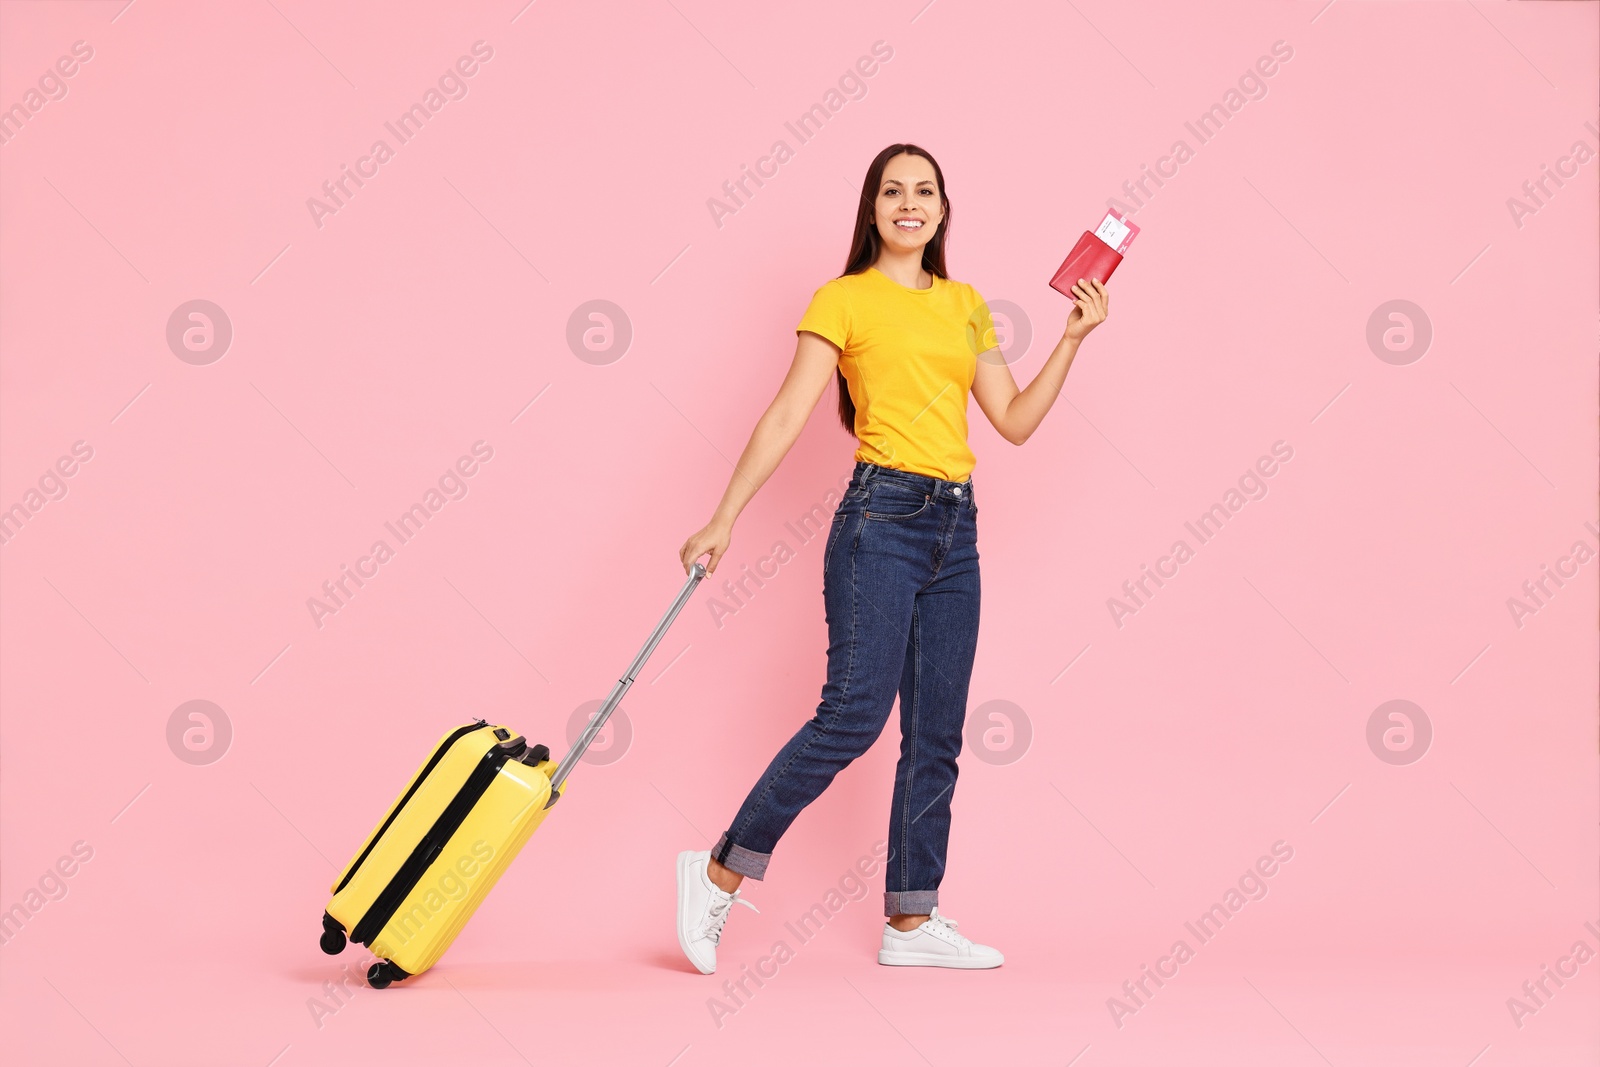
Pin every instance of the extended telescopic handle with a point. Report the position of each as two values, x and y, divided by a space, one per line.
599 718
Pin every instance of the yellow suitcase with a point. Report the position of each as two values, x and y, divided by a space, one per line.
452 833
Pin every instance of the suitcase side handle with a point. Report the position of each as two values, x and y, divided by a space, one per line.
599 718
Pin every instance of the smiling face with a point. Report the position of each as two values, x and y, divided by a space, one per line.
910 203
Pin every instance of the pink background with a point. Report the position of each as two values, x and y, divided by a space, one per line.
368 354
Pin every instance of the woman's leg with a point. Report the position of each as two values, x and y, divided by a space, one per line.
871 573
933 709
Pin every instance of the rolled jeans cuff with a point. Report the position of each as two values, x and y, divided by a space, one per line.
740 860
913 902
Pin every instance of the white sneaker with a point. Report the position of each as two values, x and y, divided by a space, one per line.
702 910
934 944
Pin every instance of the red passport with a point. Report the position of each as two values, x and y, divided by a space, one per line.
1096 255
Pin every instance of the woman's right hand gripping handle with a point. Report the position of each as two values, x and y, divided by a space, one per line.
712 538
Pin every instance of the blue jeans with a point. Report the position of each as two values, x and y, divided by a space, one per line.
900 585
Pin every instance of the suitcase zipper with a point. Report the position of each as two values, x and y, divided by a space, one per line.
398 808
428 849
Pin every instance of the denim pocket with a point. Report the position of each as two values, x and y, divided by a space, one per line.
890 500
834 530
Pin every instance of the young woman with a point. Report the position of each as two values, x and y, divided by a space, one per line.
900 570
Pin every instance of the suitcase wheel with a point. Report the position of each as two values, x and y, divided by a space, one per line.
380 974
332 935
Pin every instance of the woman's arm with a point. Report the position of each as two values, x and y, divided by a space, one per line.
815 358
1017 413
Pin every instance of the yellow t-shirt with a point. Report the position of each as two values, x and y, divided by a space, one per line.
909 357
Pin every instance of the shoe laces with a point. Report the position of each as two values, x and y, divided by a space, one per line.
946 928
721 907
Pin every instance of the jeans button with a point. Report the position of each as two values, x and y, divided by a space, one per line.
956 491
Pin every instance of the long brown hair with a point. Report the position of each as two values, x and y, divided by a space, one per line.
866 243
